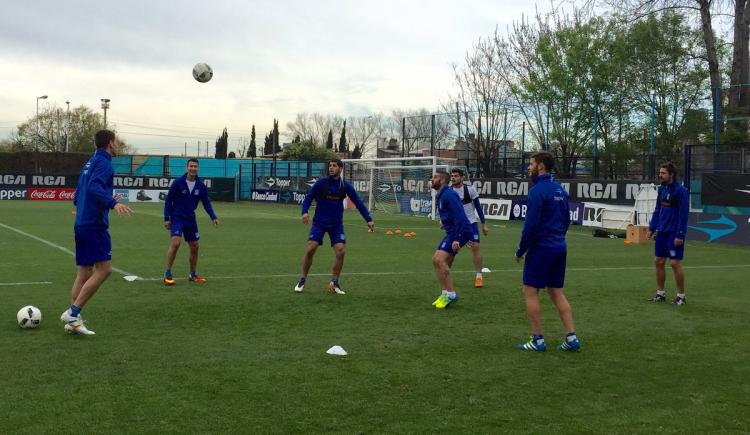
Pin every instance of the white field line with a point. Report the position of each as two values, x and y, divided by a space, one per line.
518 270
25 283
54 245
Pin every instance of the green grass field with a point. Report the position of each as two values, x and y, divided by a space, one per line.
245 354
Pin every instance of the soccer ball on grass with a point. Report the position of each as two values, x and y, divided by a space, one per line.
29 317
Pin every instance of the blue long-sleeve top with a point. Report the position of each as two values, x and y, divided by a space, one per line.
671 212
547 216
452 214
329 194
93 197
181 202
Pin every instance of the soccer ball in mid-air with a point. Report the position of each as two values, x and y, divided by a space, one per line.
202 72
29 317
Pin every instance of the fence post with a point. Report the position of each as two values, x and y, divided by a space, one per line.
505 142
595 149
717 118
523 147
432 135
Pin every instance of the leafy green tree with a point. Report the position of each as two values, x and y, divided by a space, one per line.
306 150
356 154
329 141
48 132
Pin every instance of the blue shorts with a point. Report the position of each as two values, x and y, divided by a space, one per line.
185 228
545 268
475 232
335 233
445 244
664 246
92 245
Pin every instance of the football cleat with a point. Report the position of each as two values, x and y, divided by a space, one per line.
300 286
657 298
679 301
196 278
169 280
570 346
74 325
444 300
334 288
533 345
479 282
437 300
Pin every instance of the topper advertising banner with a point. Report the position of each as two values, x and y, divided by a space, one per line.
719 228
12 192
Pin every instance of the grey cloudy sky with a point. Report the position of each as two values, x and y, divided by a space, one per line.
271 59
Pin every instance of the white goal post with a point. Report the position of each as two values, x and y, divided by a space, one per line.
397 185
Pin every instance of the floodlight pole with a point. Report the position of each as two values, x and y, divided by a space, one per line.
105 106
67 128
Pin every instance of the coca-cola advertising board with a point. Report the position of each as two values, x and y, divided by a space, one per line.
51 194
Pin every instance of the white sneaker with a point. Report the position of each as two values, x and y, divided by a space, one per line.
334 288
75 325
299 287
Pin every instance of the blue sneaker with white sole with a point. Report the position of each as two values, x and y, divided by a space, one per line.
535 344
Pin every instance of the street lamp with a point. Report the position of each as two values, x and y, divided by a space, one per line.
67 127
105 106
43 97
652 145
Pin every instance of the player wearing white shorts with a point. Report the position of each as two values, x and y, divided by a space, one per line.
470 200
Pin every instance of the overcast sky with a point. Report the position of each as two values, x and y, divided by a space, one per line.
271 59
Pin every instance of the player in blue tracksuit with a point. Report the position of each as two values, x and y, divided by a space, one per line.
329 193
179 218
473 209
543 244
669 222
93 201
458 232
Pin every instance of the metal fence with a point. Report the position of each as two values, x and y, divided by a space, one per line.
722 158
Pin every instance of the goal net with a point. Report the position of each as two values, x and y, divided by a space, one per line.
397 185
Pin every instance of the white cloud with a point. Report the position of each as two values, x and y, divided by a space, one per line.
272 59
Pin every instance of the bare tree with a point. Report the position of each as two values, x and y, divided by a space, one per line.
484 93
363 132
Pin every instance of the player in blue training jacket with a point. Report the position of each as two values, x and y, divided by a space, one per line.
329 193
669 222
458 232
470 200
543 243
179 218
93 200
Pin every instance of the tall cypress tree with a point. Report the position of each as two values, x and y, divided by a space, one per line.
342 140
268 144
222 144
251 151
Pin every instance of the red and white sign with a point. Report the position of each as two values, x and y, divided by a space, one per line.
51 194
